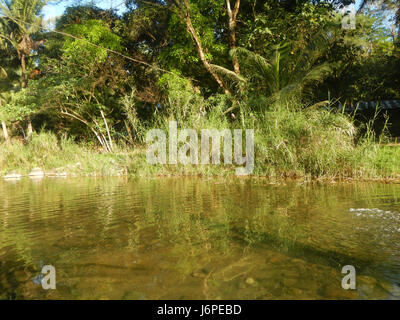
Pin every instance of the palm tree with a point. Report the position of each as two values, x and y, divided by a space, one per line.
9 81
283 74
20 20
3 123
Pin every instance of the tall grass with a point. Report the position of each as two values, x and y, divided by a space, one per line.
309 142
290 141
48 152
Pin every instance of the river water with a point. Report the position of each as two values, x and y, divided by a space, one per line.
192 238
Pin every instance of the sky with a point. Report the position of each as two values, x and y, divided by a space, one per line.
55 10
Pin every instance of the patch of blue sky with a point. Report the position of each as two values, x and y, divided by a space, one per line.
57 8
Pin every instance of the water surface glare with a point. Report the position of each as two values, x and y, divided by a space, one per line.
192 238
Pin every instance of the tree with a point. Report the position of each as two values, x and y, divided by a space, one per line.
284 74
183 9
9 82
366 62
384 6
233 15
19 23
86 82
82 13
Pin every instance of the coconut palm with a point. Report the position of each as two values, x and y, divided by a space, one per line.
283 74
10 73
20 20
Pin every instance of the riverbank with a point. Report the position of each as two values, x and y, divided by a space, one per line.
45 155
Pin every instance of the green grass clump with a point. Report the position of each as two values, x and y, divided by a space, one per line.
310 142
46 151
289 142
387 161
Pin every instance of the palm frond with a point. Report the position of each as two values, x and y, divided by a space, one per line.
317 74
231 75
285 74
3 73
251 59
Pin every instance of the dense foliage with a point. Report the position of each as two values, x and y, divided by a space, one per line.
105 78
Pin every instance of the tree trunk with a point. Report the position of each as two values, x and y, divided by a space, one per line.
5 132
200 49
24 83
108 131
30 129
4 127
23 71
232 30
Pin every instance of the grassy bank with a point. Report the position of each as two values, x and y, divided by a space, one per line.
49 153
288 143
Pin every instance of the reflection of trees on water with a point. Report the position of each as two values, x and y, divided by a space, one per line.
208 230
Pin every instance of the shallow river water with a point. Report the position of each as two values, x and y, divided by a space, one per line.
192 238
